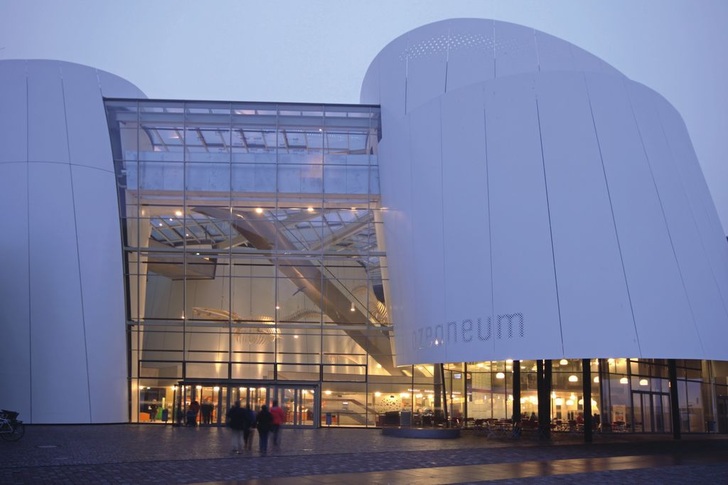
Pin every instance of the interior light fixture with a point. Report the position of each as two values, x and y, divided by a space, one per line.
569 402
573 378
500 375
623 380
310 209
644 382
564 362
596 380
178 213
559 401
258 210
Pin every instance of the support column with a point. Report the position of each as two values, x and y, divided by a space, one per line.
586 387
444 395
516 391
674 404
437 384
543 371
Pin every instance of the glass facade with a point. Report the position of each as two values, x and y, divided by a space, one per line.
253 250
256 270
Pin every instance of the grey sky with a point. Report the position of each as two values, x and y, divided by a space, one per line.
319 50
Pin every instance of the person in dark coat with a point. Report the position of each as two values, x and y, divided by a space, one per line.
264 423
236 421
248 424
192 413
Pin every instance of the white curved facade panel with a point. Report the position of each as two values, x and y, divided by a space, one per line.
56 315
13 130
466 254
593 231
15 310
659 303
47 138
63 311
586 256
523 280
107 380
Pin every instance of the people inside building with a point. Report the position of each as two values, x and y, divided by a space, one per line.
192 412
207 408
153 410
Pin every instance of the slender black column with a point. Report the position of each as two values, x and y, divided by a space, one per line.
674 404
437 384
543 371
548 380
444 395
516 391
586 386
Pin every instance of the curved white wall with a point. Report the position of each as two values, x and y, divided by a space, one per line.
61 295
539 204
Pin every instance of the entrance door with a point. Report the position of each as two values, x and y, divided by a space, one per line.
651 412
300 402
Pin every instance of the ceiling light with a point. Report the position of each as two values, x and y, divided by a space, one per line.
644 382
258 210
623 380
564 362
573 378
178 213
500 375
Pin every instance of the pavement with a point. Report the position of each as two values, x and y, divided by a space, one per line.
163 454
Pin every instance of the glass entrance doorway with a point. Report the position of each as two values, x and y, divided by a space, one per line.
651 412
299 401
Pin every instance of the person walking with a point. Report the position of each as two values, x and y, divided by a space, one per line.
279 418
264 423
236 421
248 424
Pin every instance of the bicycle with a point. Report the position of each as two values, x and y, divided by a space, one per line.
11 429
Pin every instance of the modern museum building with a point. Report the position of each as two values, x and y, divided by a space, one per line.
505 227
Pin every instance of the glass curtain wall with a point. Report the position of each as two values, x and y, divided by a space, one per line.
253 251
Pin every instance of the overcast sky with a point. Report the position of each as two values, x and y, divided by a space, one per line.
319 50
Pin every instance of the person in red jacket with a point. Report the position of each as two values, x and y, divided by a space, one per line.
279 418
